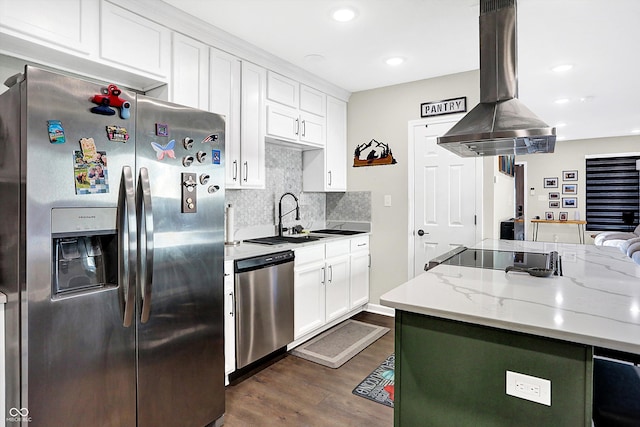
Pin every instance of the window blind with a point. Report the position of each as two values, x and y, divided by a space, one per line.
612 193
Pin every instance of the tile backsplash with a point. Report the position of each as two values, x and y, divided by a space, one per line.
256 211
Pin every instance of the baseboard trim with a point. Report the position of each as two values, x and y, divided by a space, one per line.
380 309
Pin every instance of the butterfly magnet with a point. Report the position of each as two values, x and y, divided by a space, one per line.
162 150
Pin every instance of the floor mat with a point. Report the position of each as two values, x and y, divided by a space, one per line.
336 346
379 385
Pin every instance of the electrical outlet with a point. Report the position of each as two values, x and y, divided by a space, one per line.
529 388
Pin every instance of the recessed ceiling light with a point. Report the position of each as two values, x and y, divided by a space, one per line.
562 100
345 14
560 125
586 99
396 60
635 131
562 68
314 58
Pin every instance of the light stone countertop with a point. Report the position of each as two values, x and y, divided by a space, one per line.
596 302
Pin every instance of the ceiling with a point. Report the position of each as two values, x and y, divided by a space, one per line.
437 37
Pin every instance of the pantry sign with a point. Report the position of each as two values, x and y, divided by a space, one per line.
447 106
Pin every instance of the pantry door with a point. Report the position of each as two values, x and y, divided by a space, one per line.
446 194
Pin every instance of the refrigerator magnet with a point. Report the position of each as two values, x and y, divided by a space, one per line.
162 129
211 138
56 132
117 133
162 150
215 157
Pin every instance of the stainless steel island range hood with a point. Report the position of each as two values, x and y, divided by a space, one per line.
500 124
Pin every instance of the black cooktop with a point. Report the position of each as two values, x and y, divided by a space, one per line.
499 260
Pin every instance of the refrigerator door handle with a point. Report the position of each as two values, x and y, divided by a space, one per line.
127 251
145 226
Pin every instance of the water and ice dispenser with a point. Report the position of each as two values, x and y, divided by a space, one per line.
84 245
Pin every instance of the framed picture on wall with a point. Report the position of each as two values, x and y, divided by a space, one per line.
554 196
551 182
506 164
569 188
548 216
569 202
554 204
563 216
569 175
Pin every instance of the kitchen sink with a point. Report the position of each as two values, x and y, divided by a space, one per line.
279 240
337 231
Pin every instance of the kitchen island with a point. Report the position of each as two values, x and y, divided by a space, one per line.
460 329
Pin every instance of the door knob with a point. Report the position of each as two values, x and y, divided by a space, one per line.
421 232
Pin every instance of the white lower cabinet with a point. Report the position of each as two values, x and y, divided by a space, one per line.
360 267
330 280
229 319
336 279
309 301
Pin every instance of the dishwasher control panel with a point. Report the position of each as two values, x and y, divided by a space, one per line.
263 261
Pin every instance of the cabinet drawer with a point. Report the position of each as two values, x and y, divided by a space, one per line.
360 244
341 247
309 254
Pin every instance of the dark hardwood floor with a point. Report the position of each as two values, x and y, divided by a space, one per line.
297 392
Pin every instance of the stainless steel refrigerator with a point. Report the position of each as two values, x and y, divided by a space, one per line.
111 256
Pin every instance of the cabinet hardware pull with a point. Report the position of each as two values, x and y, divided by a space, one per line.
235 170
246 171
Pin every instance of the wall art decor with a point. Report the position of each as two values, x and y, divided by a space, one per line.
569 175
554 204
506 164
551 182
554 196
569 202
564 216
373 153
570 189
548 216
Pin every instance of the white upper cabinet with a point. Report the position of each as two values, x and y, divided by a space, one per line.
64 25
326 170
252 126
131 41
295 112
224 98
189 72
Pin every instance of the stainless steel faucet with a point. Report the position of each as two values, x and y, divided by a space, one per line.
280 215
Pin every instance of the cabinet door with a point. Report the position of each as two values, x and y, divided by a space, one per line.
190 72
336 145
282 122
359 292
337 287
69 25
309 298
133 42
283 90
252 144
312 101
312 129
224 98
229 320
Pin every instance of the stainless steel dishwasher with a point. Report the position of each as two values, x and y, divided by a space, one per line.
264 305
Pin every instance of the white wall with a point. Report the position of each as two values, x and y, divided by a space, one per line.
383 114
568 155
